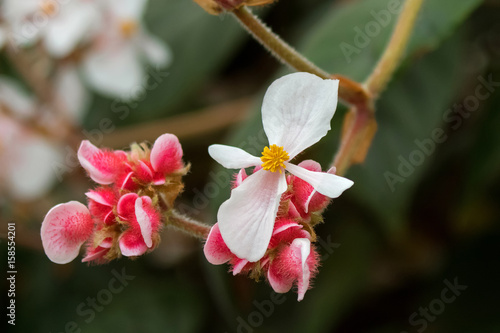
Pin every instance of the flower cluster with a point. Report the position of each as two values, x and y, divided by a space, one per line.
105 39
291 258
124 213
266 226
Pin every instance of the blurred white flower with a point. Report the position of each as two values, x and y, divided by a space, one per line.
60 25
115 62
26 159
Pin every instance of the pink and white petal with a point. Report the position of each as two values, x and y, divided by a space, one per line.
215 250
126 206
64 230
131 243
280 284
301 248
247 218
240 177
166 154
147 217
232 157
297 111
314 195
238 266
103 196
287 224
102 165
95 254
325 183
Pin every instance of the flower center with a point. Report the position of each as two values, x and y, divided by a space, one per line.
273 158
48 7
128 28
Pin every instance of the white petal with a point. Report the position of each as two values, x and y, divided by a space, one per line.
68 28
297 111
232 157
129 9
304 246
70 89
33 170
325 183
143 220
13 96
247 218
155 50
116 71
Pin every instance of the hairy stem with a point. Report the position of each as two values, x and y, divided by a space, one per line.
378 79
272 42
188 225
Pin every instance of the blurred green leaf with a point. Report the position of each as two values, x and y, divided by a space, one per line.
366 27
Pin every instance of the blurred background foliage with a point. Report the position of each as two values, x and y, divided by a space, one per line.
393 249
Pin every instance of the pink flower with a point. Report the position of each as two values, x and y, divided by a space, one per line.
296 113
123 216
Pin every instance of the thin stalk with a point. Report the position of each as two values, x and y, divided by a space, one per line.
394 51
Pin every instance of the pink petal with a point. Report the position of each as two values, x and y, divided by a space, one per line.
246 219
240 264
126 206
102 166
215 250
132 243
95 254
64 230
103 196
144 172
240 177
280 284
166 154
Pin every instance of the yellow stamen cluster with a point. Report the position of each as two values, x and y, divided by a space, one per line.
273 158
128 28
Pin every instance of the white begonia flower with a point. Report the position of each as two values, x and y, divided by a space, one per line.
115 63
296 113
60 25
